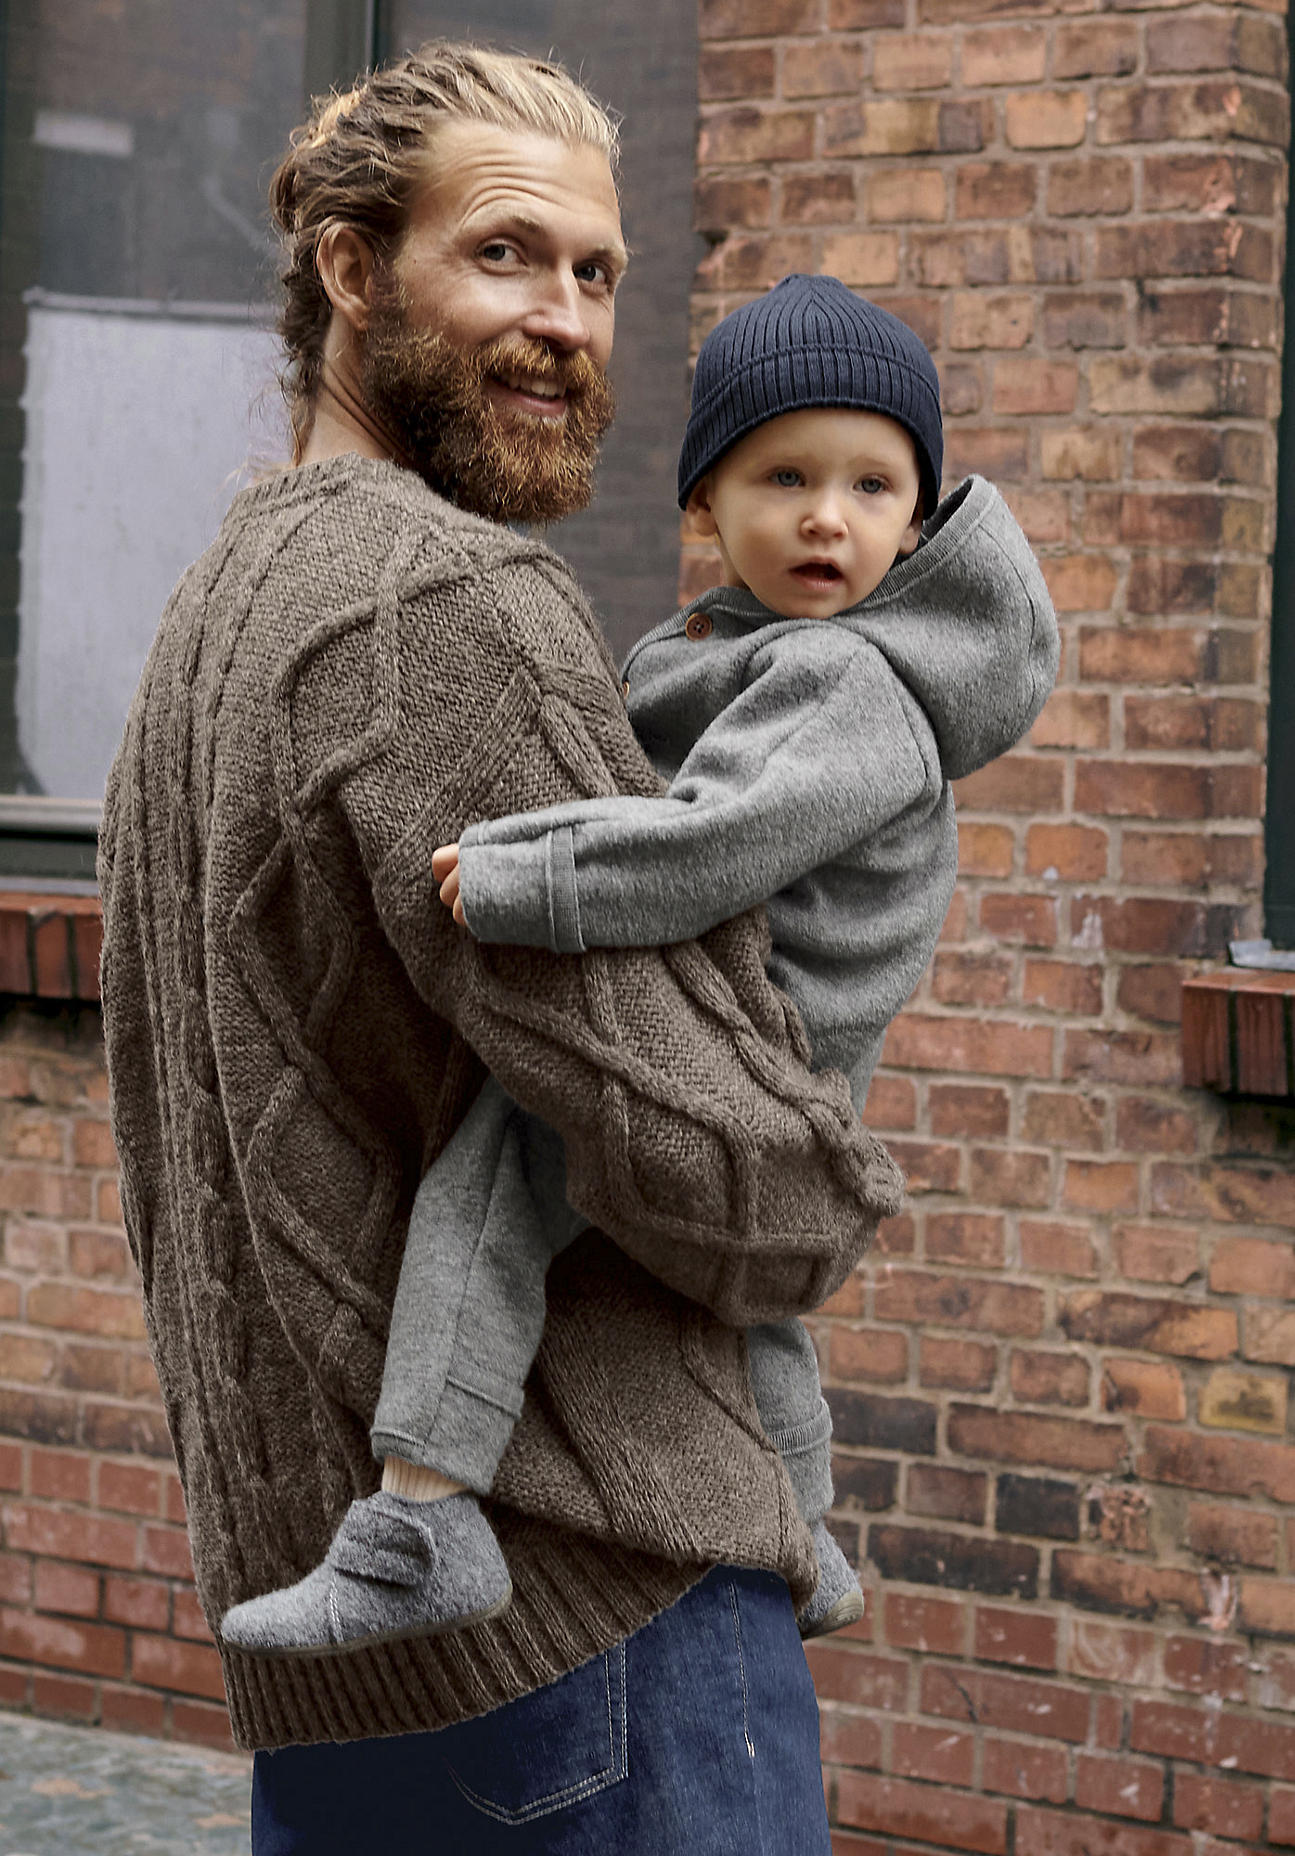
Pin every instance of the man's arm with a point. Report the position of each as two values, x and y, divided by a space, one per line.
785 779
694 1132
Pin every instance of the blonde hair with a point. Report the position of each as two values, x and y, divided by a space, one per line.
360 157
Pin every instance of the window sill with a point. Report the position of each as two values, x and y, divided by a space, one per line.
1239 1032
49 945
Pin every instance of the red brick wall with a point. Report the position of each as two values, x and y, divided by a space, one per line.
1061 1387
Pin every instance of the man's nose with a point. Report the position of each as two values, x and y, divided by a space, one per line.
559 313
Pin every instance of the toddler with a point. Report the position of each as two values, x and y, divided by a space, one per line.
808 716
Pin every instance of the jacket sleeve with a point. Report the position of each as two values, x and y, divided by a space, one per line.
695 1134
787 778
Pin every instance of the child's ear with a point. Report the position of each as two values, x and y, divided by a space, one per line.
913 533
698 509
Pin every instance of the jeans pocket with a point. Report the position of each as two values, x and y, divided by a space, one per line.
554 1748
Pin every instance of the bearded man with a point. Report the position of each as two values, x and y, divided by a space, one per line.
367 659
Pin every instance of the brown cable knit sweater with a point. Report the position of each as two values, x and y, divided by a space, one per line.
351 673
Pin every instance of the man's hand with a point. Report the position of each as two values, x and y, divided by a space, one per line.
445 868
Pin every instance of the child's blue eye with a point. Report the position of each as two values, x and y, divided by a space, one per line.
786 479
871 486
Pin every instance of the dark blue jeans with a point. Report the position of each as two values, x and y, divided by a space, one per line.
697 1736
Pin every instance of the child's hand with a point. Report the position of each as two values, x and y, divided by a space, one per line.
445 868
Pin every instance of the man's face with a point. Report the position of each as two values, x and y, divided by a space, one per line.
492 325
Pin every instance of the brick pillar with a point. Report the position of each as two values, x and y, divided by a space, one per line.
1061 1386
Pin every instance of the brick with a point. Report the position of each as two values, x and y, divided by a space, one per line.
200 1722
1139 656
917 194
130 1488
59 1476
1039 1378
1082 452
923 1556
881 126
1281 1821
965 1365
69 1534
1266 1607
1086 186
1153 991
843 1673
978 320
96 1254
1149 1324
1036 385
994 190
143 1604
821 68
1270 1336
743 134
70 1590
848 1739
1204 1736
1003 1176
1216 108
1024 1769
185 1668
1100 1186
1018 1704
1252 1266
64 1697
1127 1588
1074 719
1096 48
1114 1653
870 1421
754 263
868 1353
130 1711
923 1813
1230 1194
970 1109
864 1482
921 1752
1226 1808
723 203
728 19
1212 181
1166 790
934 1626
986 850
1241 1401
1064 1120
1121 1787
1027 1640
1212 43
166 1550
1204 1666
965 1237
1233 1536
1045 118
917 1296
928 1166
1003 55
921 1041
911 61
1143 1389
1157 1253
1056 1248
59 1643
1220 1466
104 1312
979 979
1080 583
1066 1833
1024 920
941 1493
1023 1437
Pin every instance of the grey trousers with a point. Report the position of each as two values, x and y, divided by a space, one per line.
489 1218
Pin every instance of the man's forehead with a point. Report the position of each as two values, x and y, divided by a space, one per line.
475 170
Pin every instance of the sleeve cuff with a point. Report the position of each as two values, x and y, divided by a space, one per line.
523 893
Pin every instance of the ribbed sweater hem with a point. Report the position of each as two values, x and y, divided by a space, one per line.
573 1598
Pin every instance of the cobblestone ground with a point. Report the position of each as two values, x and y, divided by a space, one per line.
77 1791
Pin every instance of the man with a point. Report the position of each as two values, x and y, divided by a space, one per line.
365 660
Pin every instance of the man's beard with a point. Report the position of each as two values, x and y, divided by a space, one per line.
433 399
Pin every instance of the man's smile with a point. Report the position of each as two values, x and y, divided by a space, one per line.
530 393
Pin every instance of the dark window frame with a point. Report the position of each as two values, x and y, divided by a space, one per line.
1279 822
52 840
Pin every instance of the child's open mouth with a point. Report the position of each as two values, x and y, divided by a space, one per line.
817 573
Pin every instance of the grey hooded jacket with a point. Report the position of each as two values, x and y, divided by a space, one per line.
808 763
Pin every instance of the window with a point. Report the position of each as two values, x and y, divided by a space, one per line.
137 356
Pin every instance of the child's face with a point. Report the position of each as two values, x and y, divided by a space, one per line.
812 509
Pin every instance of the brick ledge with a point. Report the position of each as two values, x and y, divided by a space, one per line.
1239 1032
49 945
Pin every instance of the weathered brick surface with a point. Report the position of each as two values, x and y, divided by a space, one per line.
1080 210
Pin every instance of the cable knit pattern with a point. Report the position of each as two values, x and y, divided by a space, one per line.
352 673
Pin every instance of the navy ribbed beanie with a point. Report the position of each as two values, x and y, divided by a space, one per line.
810 342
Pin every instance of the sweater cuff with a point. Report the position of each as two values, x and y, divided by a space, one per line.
522 894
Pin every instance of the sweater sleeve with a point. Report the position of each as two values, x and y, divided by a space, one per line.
785 779
695 1134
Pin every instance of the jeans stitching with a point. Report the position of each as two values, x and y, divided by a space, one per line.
741 1667
610 1774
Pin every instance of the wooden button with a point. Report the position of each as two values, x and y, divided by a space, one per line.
625 690
699 626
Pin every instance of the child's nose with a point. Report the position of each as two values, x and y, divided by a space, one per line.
825 514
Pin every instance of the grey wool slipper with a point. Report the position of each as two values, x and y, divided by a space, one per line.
396 1568
837 1599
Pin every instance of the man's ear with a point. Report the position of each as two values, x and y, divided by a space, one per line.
346 265
698 509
